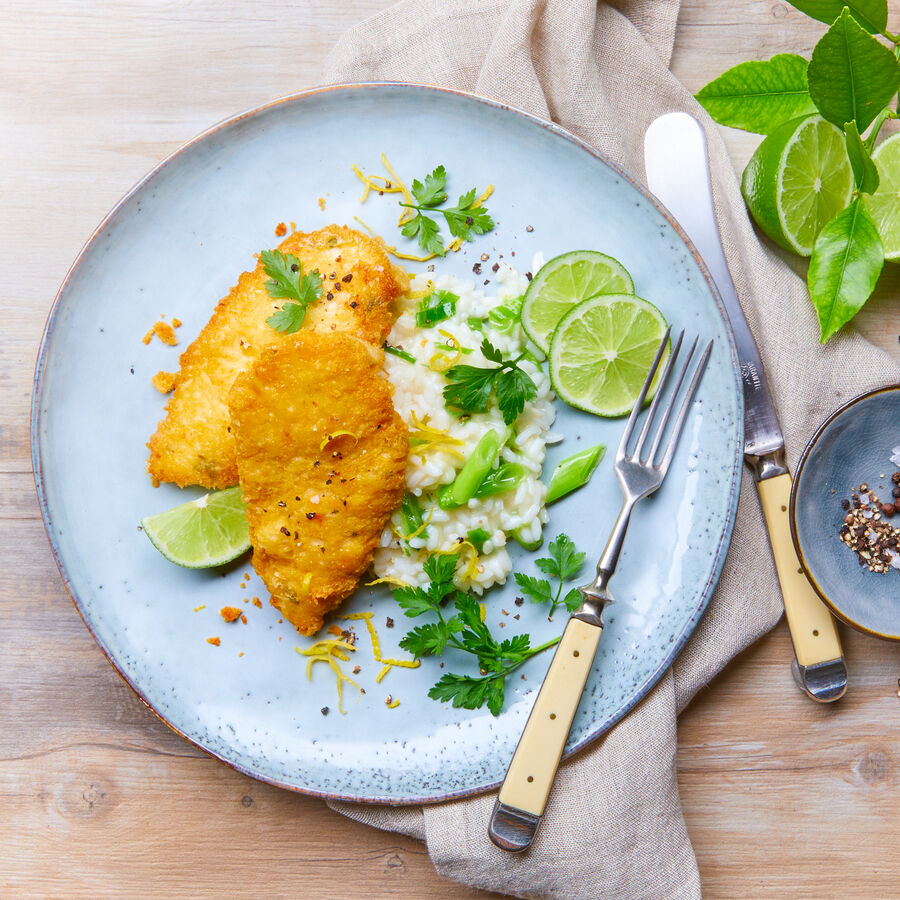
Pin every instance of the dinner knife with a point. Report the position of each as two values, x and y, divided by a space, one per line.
677 164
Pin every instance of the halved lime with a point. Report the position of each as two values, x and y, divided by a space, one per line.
884 204
565 281
797 181
601 351
209 531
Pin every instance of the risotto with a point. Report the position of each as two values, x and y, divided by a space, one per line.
441 440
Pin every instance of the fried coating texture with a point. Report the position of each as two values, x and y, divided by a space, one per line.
193 444
317 499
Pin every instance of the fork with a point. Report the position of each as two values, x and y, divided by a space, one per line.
526 787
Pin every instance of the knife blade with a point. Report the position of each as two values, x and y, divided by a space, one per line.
677 164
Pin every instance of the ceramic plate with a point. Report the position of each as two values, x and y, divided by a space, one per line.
175 245
852 447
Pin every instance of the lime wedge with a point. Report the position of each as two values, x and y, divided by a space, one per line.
601 351
209 531
884 204
797 181
564 281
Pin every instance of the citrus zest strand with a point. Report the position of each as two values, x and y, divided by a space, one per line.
325 651
409 537
376 647
335 435
392 249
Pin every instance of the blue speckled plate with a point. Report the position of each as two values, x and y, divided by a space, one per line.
175 245
852 447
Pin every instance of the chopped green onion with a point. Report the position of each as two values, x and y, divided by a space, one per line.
470 476
504 478
516 534
436 307
396 351
475 323
477 537
573 472
412 514
451 348
504 317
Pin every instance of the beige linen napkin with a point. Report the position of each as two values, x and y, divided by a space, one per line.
614 826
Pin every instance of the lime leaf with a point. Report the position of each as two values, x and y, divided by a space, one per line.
860 160
852 76
846 262
760 95
871 14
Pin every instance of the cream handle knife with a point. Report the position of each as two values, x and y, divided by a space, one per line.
678 173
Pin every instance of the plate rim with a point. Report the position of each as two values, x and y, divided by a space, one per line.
833 417
735 476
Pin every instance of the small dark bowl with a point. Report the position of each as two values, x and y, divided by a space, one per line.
852 447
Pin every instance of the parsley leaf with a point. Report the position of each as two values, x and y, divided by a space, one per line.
536 590
289 281
465 632
465 218
470 387
427 640
428 233
564 563
434 191
468 218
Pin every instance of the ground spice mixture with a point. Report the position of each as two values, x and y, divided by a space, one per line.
867 531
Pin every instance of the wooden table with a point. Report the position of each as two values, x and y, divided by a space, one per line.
783 798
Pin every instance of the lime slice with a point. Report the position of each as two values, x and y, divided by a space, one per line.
564 281
798 179
209 531
601 351
884 204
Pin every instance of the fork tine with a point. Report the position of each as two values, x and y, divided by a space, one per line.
629 425
685 406
660 390
671 404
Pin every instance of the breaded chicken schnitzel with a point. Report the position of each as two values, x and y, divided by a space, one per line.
193 444
322 457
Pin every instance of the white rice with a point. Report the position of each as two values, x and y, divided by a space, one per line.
418 397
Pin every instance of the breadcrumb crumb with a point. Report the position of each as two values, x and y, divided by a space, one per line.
257 602
280 229
215 641
164 381
230 613
164 331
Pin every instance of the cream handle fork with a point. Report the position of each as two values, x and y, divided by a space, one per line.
525 789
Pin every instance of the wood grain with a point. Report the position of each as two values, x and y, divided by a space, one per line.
783 798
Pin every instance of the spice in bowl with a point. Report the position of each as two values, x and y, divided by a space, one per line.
866 529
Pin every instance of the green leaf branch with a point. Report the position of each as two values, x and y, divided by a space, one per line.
851 80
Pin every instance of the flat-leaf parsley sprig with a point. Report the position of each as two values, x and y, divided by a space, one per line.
468 217
289 281
470 387
564 563
464 631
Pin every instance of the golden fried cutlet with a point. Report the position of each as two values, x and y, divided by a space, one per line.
193 444
321 455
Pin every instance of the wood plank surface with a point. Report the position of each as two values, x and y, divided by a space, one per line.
783 798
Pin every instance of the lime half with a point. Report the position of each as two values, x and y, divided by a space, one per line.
209 531
884 204
797 181
601 351
565 281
